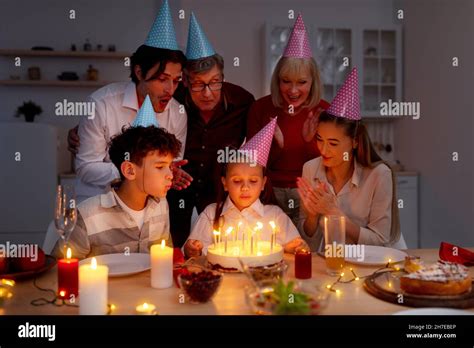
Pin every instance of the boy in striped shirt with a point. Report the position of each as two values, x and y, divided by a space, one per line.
132 215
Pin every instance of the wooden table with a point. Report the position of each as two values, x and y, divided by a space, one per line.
127 292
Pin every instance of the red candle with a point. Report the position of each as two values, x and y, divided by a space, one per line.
68 277
303 264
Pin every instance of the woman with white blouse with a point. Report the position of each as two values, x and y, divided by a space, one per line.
348 179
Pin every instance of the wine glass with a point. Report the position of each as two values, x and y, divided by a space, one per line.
65 213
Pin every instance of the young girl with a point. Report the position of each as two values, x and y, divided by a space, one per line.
349 179
243 183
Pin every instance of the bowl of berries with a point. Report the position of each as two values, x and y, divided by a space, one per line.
286 298
200 284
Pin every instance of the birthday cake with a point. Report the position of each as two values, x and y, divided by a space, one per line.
228 259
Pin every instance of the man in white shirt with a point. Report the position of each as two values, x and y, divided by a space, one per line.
155 71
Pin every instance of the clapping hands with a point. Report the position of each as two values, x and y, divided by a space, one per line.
317 201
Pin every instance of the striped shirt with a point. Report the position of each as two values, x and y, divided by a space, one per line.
104 227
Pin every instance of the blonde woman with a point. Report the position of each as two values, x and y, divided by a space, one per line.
296 100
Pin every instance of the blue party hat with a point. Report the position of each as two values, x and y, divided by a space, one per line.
198 45
162 34
146 115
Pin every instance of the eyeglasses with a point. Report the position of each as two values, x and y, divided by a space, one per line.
213 86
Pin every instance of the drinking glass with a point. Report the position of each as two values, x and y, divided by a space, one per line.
335 238
65 212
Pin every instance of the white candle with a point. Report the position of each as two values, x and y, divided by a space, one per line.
146 309
273 239
217 239
251 245
161 266
238 231
227 232
257 229
93 288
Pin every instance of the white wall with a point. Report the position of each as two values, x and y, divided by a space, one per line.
436 31
28 23
236 28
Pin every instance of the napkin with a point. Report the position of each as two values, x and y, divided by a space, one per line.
448 252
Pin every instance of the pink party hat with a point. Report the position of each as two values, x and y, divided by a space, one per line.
261 143
298 44
346 102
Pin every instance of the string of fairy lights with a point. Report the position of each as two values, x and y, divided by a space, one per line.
388 267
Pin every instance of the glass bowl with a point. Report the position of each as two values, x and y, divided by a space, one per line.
262 273
300 297
200 285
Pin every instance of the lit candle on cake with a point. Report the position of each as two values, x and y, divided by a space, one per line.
68 276
258 230
273 237
227 232
238 231
217 235
93 288
161 266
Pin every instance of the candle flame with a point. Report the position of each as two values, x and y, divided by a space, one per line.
62 293
229 230
145 305
216 233
272 223
259 225
163 244
94 263
68 253
239 224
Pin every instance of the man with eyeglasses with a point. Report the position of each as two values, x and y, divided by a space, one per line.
217 112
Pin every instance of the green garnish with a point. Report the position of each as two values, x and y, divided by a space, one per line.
289 301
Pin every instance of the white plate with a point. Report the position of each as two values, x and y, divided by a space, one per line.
121 265
377 256
434 311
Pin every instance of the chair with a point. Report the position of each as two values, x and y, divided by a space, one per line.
400 244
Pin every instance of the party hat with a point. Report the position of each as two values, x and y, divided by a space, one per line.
298 44
346 102
261 143
198 45
146 115
162 34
